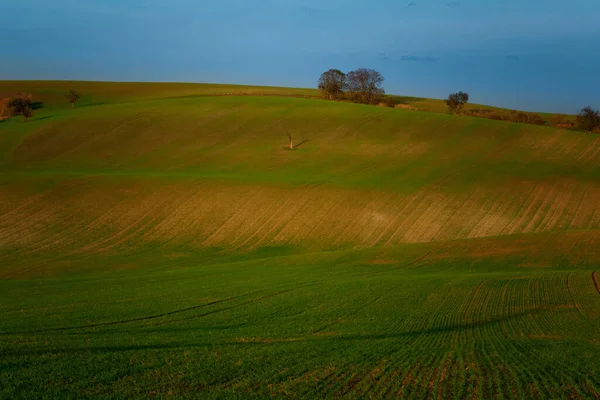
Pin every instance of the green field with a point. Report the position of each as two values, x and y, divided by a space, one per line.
160 241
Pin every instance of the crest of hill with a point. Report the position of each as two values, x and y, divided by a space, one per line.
51 93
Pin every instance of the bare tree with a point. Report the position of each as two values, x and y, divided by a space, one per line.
291 141
456 101
332 83
364 85
588 119
73 96
22 105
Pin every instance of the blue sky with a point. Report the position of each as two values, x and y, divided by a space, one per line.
539 55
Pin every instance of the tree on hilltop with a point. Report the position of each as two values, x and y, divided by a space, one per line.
588 119
73 96
22 105
456 101
365 85
332 83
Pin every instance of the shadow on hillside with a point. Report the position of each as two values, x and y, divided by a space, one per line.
43 118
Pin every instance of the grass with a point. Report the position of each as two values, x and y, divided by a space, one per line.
159 241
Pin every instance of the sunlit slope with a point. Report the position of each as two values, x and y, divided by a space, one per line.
213 172
345 143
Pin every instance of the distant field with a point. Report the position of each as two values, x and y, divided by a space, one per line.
159 240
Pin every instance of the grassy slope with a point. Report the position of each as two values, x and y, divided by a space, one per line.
464 250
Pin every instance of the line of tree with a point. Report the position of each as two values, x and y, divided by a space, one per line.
362 85
588 119
365 86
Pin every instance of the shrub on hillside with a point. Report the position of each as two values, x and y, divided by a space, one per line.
510 116
528 118
387 102
495 116
559 121
406 107
478 111
481 113
537 120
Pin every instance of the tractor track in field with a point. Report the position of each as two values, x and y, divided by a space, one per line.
596 281
573 298
411 263
253 301
361 308
150 317
291 287
591 150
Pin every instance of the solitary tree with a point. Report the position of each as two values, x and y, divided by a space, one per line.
588 119
72 96
456 101
332 83
291 141
21 105
364 85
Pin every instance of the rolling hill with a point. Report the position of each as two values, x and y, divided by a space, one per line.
160 239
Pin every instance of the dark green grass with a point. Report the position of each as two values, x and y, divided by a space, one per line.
315 325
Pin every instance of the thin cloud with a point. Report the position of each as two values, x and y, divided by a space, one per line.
412 4
419 59
453 4
383 56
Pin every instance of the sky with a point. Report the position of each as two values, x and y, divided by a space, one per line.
535 55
